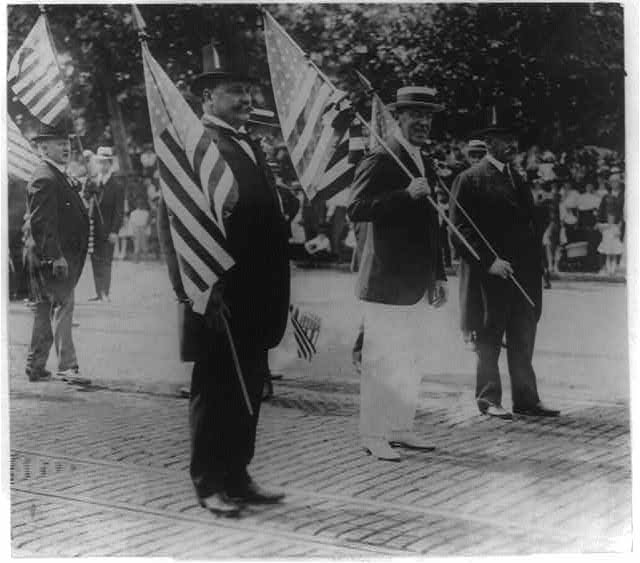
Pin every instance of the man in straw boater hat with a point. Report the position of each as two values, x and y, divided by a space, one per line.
401 270
475 151
500 204
254 294
106 205
56 237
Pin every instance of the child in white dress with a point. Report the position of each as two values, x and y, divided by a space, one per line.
611 245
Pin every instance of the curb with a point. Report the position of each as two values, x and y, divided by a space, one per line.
453 272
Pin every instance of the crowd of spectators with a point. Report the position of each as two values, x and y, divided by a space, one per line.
579 197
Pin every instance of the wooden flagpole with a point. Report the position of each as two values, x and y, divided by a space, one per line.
384 145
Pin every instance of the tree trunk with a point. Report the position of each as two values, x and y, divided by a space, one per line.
119 132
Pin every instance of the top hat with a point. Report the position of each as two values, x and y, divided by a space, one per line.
104 153
416 96
215 69
497 120
47 132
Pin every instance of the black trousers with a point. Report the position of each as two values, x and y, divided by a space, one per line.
517 319
223 434
101 263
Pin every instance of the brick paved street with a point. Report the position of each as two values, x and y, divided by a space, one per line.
105 471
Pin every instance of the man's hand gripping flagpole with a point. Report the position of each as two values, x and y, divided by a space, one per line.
362 120
370 90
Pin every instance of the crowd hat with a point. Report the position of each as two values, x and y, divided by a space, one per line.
497 119
476 146
48 132
215 70
105 153
417 96
263 117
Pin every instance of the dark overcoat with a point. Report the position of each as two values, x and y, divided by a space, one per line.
401 258
111 205
505 215
256 288
57 226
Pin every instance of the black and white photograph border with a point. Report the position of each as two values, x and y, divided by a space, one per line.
169 393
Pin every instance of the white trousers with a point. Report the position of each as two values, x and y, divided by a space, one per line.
395 340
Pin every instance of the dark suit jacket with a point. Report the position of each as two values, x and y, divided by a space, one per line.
505 215
401 258
256 288
58 224
111 198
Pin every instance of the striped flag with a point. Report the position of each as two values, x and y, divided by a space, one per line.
314 115
34 76
21 158
306 329
382 122
197 185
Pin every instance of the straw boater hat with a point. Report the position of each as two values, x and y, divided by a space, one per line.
215 69
416 96
104 153
476 146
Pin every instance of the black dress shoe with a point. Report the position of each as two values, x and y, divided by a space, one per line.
251 493
539 410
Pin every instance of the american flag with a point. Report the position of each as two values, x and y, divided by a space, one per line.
34 76
197 185
312 115
382 122
306 330
21 158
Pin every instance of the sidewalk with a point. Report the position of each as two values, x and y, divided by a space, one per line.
104 471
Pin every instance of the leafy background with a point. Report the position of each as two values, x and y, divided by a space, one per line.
562 64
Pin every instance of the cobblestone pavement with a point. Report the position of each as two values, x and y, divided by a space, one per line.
104 471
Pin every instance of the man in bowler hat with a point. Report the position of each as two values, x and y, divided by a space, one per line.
56 237
401 269
106 204
499 202
254 294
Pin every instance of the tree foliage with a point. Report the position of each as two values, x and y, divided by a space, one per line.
563 63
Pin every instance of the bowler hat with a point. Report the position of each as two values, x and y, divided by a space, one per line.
215 69
47 132
417 96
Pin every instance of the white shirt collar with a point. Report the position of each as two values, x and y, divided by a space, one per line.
499 165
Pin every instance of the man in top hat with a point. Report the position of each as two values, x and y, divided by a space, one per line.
401 270
106 208
56 234
501 205
254 293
